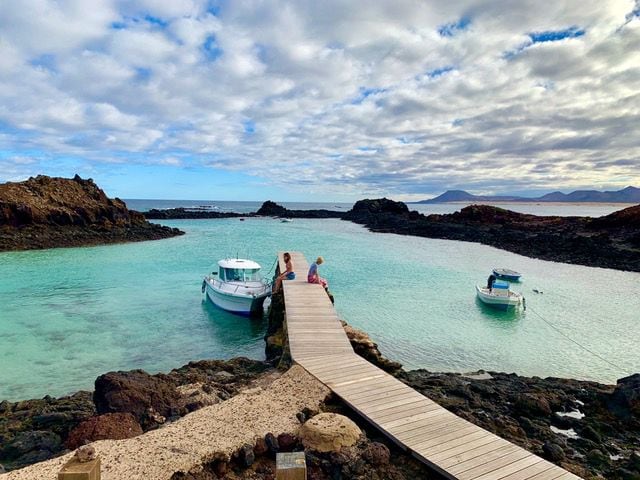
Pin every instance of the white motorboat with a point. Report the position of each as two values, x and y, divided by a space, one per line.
237 286
500 296
286 220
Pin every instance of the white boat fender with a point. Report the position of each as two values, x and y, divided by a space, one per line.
204 285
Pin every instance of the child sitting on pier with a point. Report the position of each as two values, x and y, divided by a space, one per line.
313 277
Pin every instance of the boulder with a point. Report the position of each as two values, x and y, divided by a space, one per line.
625 400
115 426
138 393
377 454
328 432
532 405
553 451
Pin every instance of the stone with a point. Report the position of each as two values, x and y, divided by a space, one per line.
260 448
246 455
114 426
2 469
272 443
85 453
138 393
532 404
329 432
590 433
596 458
625 399
287 442
553 451
377 454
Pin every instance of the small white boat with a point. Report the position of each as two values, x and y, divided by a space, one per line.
507 274
286 220
500 296
237 286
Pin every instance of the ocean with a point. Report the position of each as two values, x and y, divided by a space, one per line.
69 315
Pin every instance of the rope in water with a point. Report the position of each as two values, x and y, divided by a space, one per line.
595 354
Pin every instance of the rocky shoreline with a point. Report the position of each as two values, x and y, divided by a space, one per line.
49 212
590 429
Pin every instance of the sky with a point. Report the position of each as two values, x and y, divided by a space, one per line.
321 101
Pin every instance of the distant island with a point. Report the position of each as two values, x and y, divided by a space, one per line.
626 195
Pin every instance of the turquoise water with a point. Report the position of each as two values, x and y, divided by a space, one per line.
68 315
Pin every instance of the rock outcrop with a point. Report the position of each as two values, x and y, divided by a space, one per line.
612 241
114 426
48 212
272 209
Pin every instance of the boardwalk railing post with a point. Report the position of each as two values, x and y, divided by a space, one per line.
291 466
74 469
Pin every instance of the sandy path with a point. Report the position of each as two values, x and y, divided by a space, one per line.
201 436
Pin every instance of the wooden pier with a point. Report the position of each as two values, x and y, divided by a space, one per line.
455 448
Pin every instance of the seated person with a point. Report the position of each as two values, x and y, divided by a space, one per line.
313 277
490 281
288 274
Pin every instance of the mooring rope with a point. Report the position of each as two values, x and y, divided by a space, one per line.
595 354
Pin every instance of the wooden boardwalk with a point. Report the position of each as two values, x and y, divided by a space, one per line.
455 448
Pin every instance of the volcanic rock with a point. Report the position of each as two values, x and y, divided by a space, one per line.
48 212
114 426
138 393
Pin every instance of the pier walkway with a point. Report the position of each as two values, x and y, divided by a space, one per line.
455 448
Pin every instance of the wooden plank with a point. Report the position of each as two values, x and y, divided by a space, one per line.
490 441
510 468
488 470
350 382
411 430
529 472
554 473
408 420
476 459
426 450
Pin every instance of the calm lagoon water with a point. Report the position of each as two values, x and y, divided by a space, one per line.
68 315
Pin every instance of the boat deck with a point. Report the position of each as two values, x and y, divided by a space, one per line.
453 447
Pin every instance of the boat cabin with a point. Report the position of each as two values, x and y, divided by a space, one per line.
238 270
500 288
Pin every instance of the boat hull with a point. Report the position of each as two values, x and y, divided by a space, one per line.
238 304
513 300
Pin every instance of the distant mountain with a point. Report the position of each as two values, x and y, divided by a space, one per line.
626 195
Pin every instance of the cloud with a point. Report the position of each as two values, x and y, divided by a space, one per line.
395 98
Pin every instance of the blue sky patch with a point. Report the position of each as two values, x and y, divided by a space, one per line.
364 92
556 35
249 127
453 28
47 61
211 49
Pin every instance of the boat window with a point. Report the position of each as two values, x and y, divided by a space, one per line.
251 275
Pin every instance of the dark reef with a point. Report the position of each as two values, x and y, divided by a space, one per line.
612 241
46 212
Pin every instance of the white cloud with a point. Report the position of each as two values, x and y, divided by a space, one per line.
347 96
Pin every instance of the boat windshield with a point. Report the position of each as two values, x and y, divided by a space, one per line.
239 274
